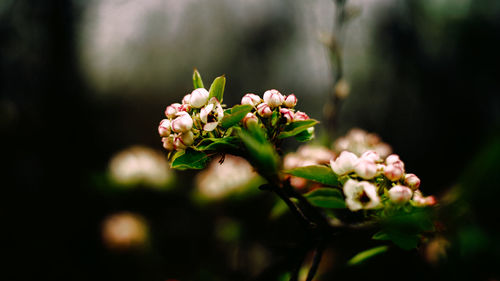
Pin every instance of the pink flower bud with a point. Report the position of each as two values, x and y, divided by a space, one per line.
422 201
412 181
264 110
164 128
182 141
391 159
172 109
287 113
393 172
273 98
251 99
168 143
290 101
400 194
365 169
371 155
344 164
250 118
300 116
186 99
199 97
182 123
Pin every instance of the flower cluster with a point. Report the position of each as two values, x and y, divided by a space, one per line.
185 123
372 182
306 155
359 141
273 101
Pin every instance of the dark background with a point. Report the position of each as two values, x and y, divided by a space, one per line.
437 104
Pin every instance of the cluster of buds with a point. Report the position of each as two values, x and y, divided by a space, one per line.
306 155
185 122
272 101
359 141
370 180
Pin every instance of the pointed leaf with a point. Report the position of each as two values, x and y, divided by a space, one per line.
296 128
219 144
217 88
326 198
235 115
190 159
305 135
367 254
318 173
260 151
197 82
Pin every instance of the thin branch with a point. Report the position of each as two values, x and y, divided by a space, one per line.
318 253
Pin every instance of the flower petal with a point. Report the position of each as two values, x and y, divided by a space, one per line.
210 126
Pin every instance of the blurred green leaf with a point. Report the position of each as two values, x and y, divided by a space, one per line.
190 159
406 241
219 144
234 115
197 82
367 254
296 128
275 118
318 173
217 88
305 135
326 198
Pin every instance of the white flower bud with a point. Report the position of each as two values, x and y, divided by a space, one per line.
365 169
199 97
186 99
300 116
168 143
164 128
182 123
393 172
250 118
392 159
287 113
251 99
172 110
412 181
400 194
264 110
371 156
182 141
344 164
290 101
273 98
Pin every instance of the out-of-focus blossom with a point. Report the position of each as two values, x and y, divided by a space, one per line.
344 164
264 110
436 249
315 153
412 181
290 101
359 141
371 155
288 114
342 89
124 230
221 180
273 98
140 165
393 172
391 159
361 195
300 116
198 98
421 201
251 99
400 194
250 118
365 168
211 115
182 123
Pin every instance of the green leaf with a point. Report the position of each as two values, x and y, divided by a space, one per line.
190 159
367 254
318 173
296 128
406 241
326 198
235 115
275 118
219 144
197 82
260 151
217 88
305 135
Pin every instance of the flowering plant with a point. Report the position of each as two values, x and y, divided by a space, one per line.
365 191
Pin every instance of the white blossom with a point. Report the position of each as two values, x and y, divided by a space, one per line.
182 123
361 195
199 98
344 164
211 114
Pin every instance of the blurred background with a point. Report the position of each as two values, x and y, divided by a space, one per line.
86 191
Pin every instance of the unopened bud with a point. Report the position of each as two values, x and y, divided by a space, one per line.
164 128
300 116
422 201
371 155
344 164
391 159
199 97
251 99
172 110
186 99
182 141
393 172
264 110
288 114
250 118
168 143
400 194
273 98
366 169
290 101
182 123
412 181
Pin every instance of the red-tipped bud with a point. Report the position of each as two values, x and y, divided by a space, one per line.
172 110
290 101
400 194
250 118
251 99
412 181
287 113
182 123
300 116
273 98
164 128
264 110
